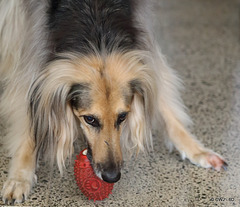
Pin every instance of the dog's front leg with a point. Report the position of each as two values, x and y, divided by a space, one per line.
187 145
174 117
21 174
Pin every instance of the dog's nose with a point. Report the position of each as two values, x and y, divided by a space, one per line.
111 176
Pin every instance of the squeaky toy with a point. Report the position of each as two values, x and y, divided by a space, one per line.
90 185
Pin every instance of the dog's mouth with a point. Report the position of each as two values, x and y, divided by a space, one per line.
111 174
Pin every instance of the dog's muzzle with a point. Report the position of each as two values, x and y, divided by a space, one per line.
109 172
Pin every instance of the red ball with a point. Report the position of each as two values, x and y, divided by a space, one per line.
90 185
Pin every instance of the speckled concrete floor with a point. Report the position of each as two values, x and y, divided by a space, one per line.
201 40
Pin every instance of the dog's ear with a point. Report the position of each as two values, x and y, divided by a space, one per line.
79 96
53 123
140 117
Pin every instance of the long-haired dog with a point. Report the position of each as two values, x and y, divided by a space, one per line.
91 67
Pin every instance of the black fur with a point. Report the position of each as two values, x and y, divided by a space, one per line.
86 25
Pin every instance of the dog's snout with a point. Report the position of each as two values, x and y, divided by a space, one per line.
110 172
111 176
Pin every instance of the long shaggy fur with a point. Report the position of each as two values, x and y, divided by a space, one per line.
55 56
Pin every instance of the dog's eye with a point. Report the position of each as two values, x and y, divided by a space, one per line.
121 117
92 121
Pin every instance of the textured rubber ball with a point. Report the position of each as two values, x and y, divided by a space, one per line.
90 185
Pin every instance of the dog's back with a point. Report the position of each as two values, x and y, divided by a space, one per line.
95 25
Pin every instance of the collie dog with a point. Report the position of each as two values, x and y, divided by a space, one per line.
86 67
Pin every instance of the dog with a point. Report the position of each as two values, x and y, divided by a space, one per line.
86 67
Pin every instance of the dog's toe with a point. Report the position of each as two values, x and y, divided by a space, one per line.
15 191
209 159
216 162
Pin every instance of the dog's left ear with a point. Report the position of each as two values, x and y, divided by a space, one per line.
141 115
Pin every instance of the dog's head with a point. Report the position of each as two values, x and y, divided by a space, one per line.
110 99
102 107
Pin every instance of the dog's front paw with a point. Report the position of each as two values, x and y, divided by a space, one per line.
16 191
209 159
